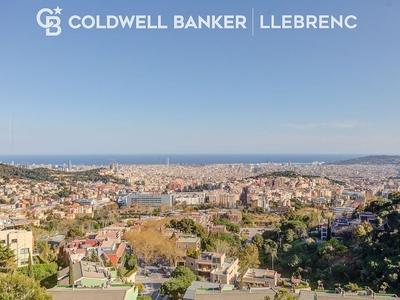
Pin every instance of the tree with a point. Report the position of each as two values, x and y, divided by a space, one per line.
40 271
332 250
248 258
132 262
193 253
362 232
394 197
30 267
120 273
270 246
143 297
145 244
246 221
284 295
94 257
231 227
171 252
182 271
290 236
173 223
45 251
174 288
7 258
352 287
15 286
310 245
186 225
377 205
222 246
294 261
258 241
74 232
71 273
383 287
139 286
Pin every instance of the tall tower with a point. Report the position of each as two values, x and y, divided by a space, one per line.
69 165
167 161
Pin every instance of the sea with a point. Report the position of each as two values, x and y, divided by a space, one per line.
185 159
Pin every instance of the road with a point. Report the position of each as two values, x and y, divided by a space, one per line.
152 282
252 231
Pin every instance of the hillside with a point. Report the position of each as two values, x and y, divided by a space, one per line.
370 160
43 174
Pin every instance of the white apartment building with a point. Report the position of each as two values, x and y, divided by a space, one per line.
194 198
144 199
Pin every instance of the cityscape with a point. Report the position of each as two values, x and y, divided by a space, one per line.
199 150
176 231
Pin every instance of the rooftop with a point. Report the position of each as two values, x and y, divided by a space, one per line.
83 269
115 293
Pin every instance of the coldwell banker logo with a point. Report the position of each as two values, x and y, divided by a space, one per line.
51 21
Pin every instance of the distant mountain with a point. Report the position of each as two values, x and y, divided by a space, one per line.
370 160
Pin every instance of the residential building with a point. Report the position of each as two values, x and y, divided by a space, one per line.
80 210
112 252
190 198
206 291
261 277
328 295
186 242
86 274
144 199
218 229
115 293
324 228
215 267
20 241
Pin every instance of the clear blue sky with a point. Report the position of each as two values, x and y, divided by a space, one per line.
200 91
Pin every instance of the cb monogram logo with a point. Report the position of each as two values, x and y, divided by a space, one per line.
51 22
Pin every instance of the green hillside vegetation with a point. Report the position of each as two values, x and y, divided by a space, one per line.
8 172
371 159
369 257
288 174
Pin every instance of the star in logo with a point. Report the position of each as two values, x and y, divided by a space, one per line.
57 10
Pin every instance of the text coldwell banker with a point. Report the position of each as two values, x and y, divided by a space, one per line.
212 22
51 21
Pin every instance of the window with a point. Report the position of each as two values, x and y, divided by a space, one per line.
24 251
24 261
14 241
2 242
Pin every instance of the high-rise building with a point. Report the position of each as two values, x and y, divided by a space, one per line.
69 165
167 161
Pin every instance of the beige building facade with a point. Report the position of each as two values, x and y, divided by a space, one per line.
20 241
